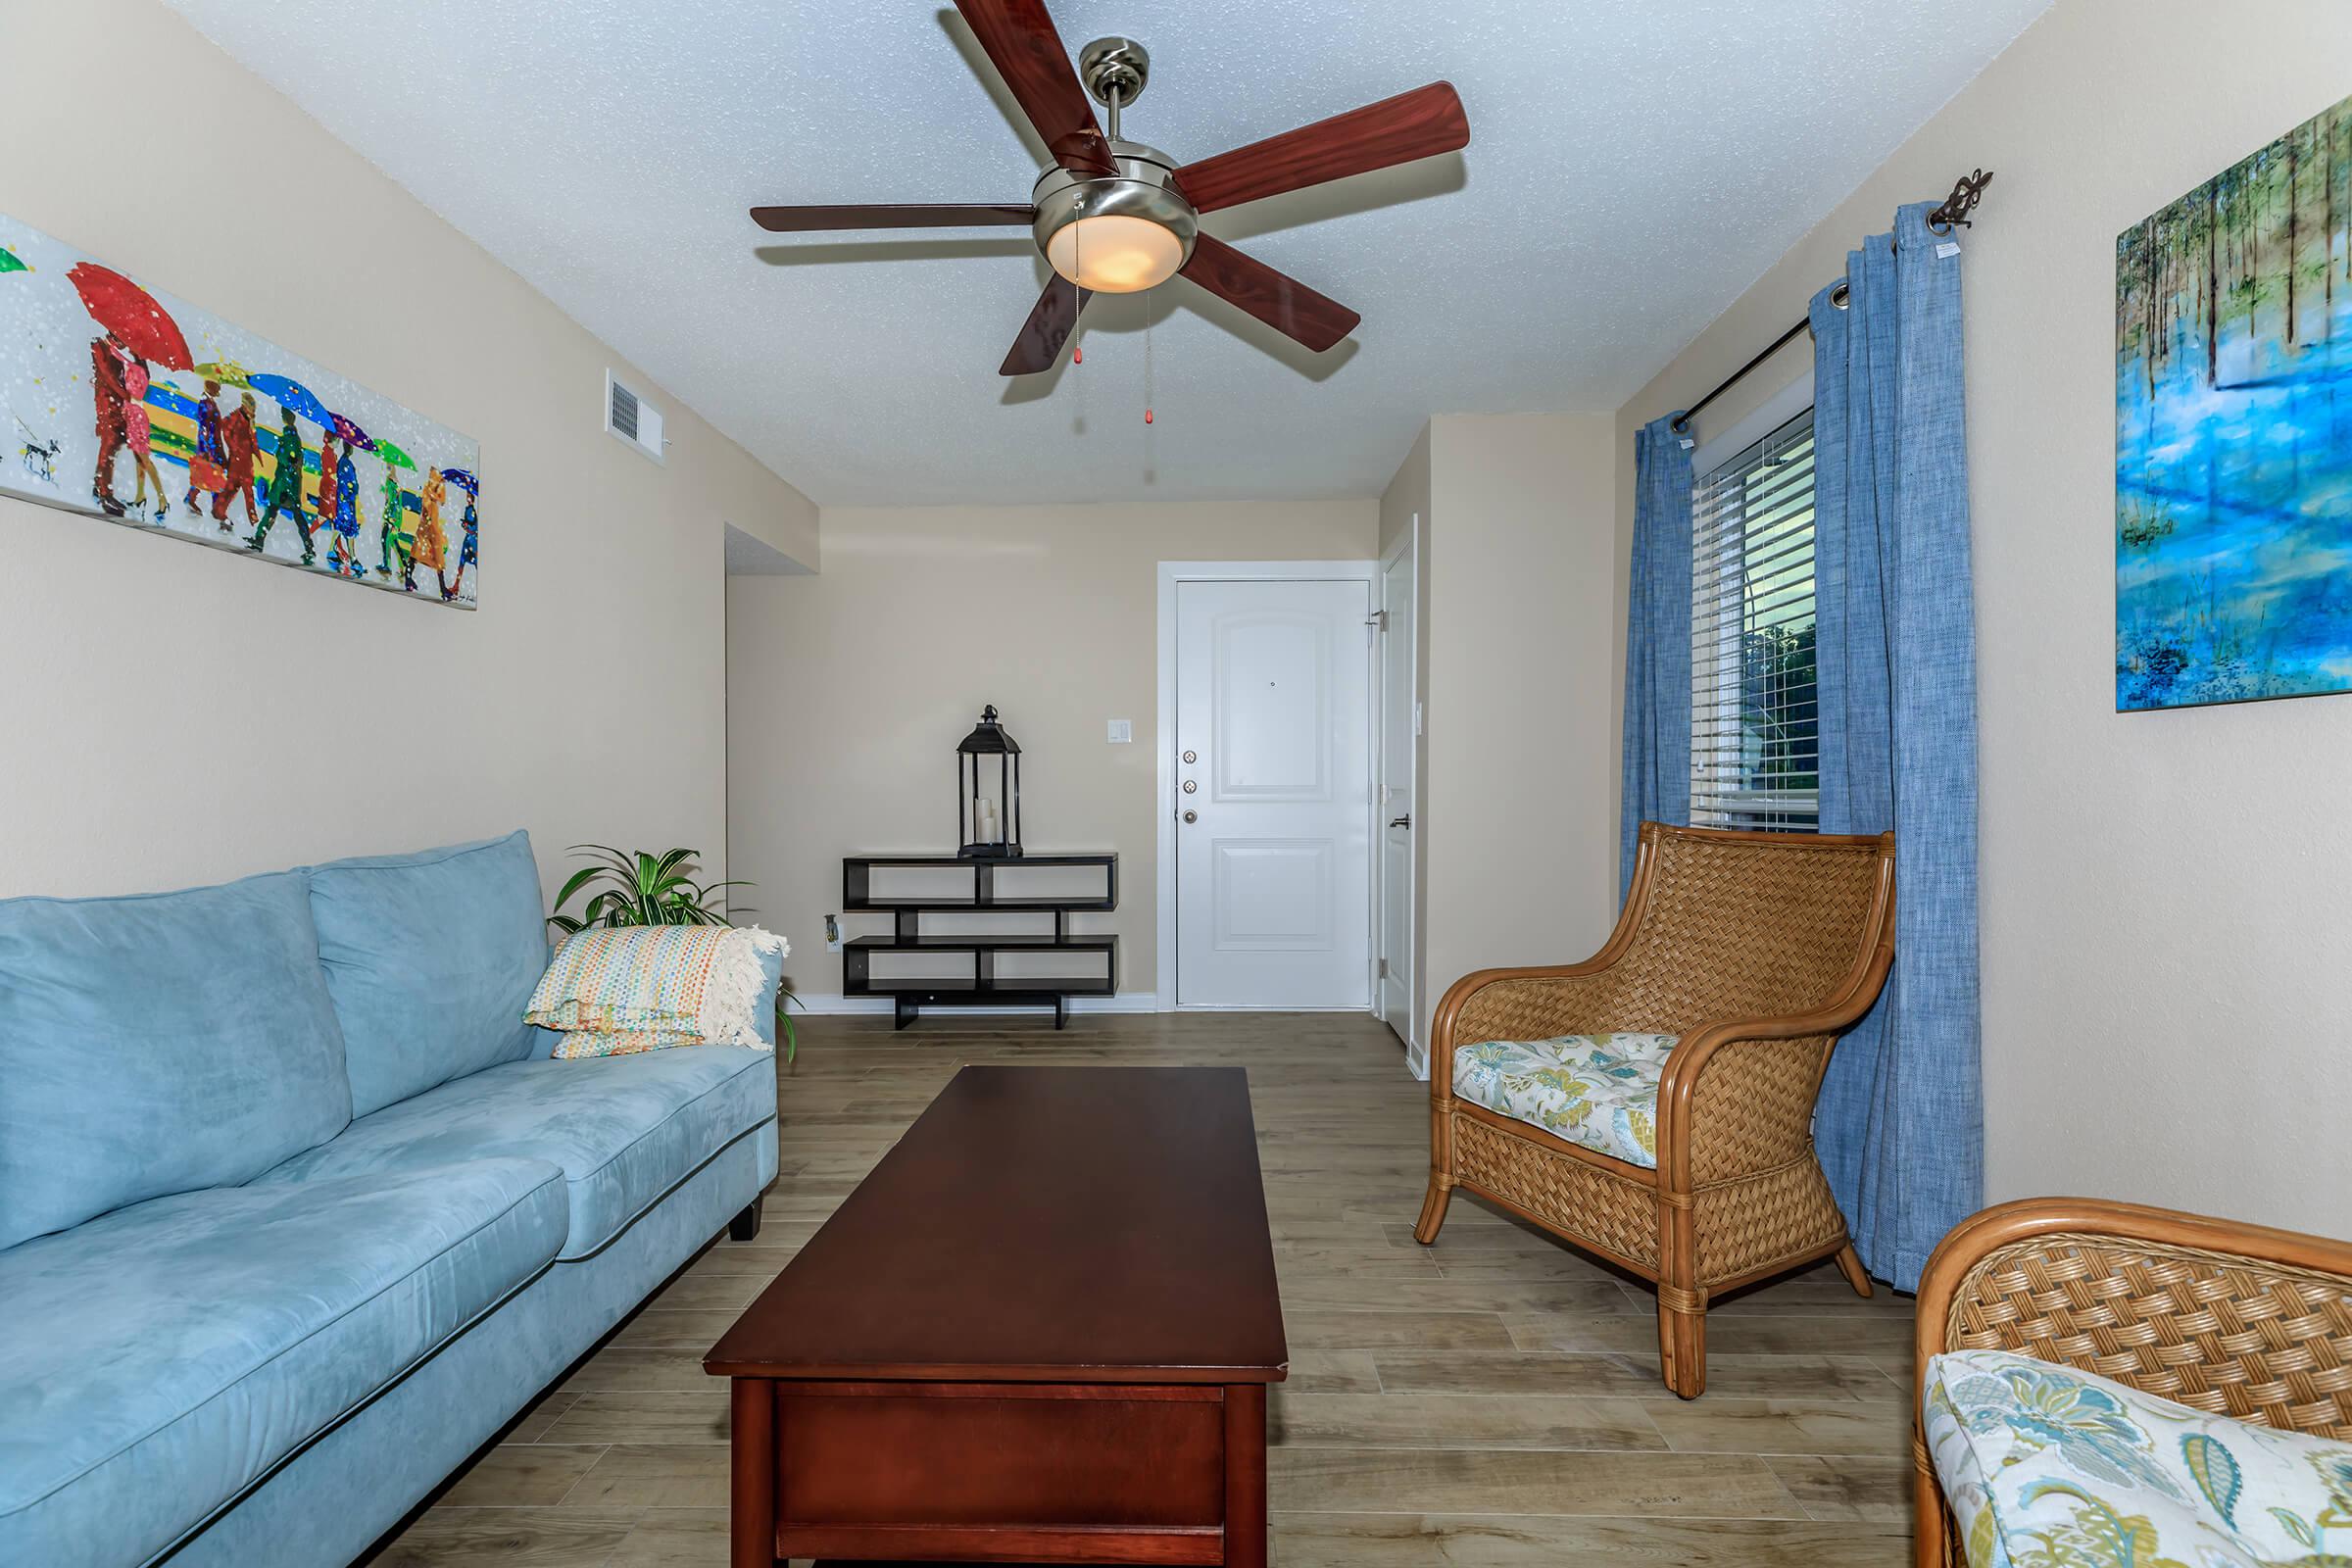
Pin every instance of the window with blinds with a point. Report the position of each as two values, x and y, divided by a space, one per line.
1754 708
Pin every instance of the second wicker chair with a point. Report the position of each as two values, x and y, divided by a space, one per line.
1757 949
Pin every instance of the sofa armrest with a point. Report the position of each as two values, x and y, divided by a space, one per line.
1736 1096
766 1013
1529 1004
1737 1099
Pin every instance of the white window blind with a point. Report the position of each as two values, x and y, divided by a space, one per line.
1754 707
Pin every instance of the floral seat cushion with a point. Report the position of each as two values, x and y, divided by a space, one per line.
2045 1466
1601 1091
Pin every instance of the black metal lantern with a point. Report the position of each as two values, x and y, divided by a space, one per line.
989 820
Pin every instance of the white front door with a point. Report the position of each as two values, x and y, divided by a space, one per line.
1397 736
1273 798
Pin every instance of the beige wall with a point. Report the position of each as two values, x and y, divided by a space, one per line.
2166 917
1522 761
172 715
849 689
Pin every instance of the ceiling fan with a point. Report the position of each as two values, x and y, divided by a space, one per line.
1117 217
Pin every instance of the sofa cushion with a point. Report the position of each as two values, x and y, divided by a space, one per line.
1601 1091
161 1357
624 1129
2047 1464
430 959
159 1043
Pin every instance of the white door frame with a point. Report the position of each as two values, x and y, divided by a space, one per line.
1163 747
1408 544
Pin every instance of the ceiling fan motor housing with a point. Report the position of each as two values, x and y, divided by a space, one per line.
1145 188
1114 67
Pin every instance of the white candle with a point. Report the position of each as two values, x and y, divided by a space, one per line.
984 820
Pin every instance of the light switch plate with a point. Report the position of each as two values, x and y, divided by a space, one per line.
1122 732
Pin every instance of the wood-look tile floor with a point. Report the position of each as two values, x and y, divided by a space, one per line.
1491 1401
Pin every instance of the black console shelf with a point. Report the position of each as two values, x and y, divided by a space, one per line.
982 988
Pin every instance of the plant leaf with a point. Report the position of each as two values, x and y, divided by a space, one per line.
579 879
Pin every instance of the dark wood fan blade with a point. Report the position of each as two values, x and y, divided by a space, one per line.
1019 40
1277 299
889 215
1046 329
1420 123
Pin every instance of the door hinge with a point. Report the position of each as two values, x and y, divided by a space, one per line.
1384 968
1379 618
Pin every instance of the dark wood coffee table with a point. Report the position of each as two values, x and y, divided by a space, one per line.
1040 1330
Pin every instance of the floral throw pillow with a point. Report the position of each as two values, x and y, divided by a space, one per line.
2048 1467
619 990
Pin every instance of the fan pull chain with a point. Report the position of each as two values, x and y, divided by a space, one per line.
1078 330
1146 359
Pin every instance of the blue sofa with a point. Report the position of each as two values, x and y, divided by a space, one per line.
296 1213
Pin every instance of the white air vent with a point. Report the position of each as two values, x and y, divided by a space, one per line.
631 419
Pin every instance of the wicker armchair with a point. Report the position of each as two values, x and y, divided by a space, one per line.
1759 949
2238 1320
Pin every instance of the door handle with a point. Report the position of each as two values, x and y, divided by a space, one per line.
1192 816
1406 820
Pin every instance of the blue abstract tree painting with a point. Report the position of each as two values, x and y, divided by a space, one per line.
2233 432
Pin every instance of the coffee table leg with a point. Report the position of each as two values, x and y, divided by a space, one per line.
751 1514
1246 1475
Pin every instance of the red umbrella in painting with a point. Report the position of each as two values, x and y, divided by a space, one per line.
131 313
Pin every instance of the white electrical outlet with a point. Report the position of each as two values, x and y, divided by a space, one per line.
1122 732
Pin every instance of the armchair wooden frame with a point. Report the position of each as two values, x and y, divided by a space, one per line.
2240 1320
1759 949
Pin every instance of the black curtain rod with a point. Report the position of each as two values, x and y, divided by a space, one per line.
1953 213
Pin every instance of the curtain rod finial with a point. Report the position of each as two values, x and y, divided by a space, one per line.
1967 191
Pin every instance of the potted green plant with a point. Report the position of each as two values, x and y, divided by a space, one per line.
646 888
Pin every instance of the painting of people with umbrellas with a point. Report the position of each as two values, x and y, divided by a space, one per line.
141 409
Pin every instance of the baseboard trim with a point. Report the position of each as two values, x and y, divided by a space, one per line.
834 1004
1264 1006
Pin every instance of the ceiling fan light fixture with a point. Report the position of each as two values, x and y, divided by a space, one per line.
1116 252
1116 236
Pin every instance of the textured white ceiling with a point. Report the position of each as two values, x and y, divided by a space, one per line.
1633 166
